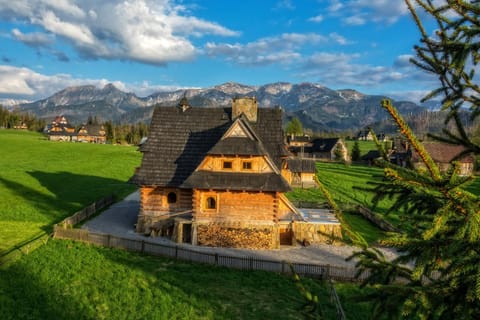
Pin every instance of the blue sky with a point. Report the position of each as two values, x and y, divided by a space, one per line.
145 46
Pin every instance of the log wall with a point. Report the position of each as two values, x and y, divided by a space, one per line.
154 205
235 206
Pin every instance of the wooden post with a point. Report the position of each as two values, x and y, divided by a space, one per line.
143 246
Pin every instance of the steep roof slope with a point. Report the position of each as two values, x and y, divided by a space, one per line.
180 139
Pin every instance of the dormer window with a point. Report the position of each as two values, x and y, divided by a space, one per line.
228 165
247 165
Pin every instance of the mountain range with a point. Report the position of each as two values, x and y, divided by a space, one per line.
319 108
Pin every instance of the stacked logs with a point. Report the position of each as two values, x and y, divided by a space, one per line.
222 236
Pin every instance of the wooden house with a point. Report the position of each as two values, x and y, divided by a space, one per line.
325 148
60 130
300 172
444 154
212 176
91 133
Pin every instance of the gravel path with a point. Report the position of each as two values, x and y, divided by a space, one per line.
120 218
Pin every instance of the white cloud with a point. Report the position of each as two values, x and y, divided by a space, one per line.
24 83
340 70
316 19
149 31
403 61
34 38
281 49
339 39
359 12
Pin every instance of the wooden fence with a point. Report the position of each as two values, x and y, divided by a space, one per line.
186 254
86 212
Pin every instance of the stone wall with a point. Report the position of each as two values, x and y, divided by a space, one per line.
316 232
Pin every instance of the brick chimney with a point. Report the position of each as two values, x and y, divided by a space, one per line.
247 106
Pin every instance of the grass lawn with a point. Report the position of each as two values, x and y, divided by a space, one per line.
68 280
42 182
365 146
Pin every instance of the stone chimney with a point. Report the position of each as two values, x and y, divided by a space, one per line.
247 106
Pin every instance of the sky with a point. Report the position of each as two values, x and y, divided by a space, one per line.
146 46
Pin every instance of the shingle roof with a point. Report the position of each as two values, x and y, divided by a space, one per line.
301 165
324 144
180 140
444 153
238 146
237 181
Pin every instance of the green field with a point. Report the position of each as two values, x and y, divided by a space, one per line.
345 184
42 182
365 146
68 280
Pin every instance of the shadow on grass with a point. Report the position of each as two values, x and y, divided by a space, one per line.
67 194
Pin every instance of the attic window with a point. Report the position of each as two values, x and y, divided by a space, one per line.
172 197
227 165
247 165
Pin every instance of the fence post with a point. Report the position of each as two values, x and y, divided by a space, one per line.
108 240
216 259
283 266
143 246
250 262
176 251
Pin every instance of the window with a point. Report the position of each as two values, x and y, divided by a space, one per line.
172 197
211 203
247 165
227 164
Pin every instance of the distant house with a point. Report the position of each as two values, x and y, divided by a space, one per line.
365 135
61 130
92 133
299 146
213 176
444 154
318 148
401 154
301 172
325 148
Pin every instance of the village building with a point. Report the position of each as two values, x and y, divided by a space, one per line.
329 149
213 177
444 155
61 130
301 172
317 148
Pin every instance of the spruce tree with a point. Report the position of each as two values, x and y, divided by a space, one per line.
437 275
356 151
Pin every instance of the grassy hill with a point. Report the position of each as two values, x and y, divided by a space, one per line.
67 280
42 182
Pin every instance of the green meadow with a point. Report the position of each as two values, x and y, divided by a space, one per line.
68 280
42 182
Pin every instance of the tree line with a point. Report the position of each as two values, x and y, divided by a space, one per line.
12 120
115 133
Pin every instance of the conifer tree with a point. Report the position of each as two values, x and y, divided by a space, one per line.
437 275
356 151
